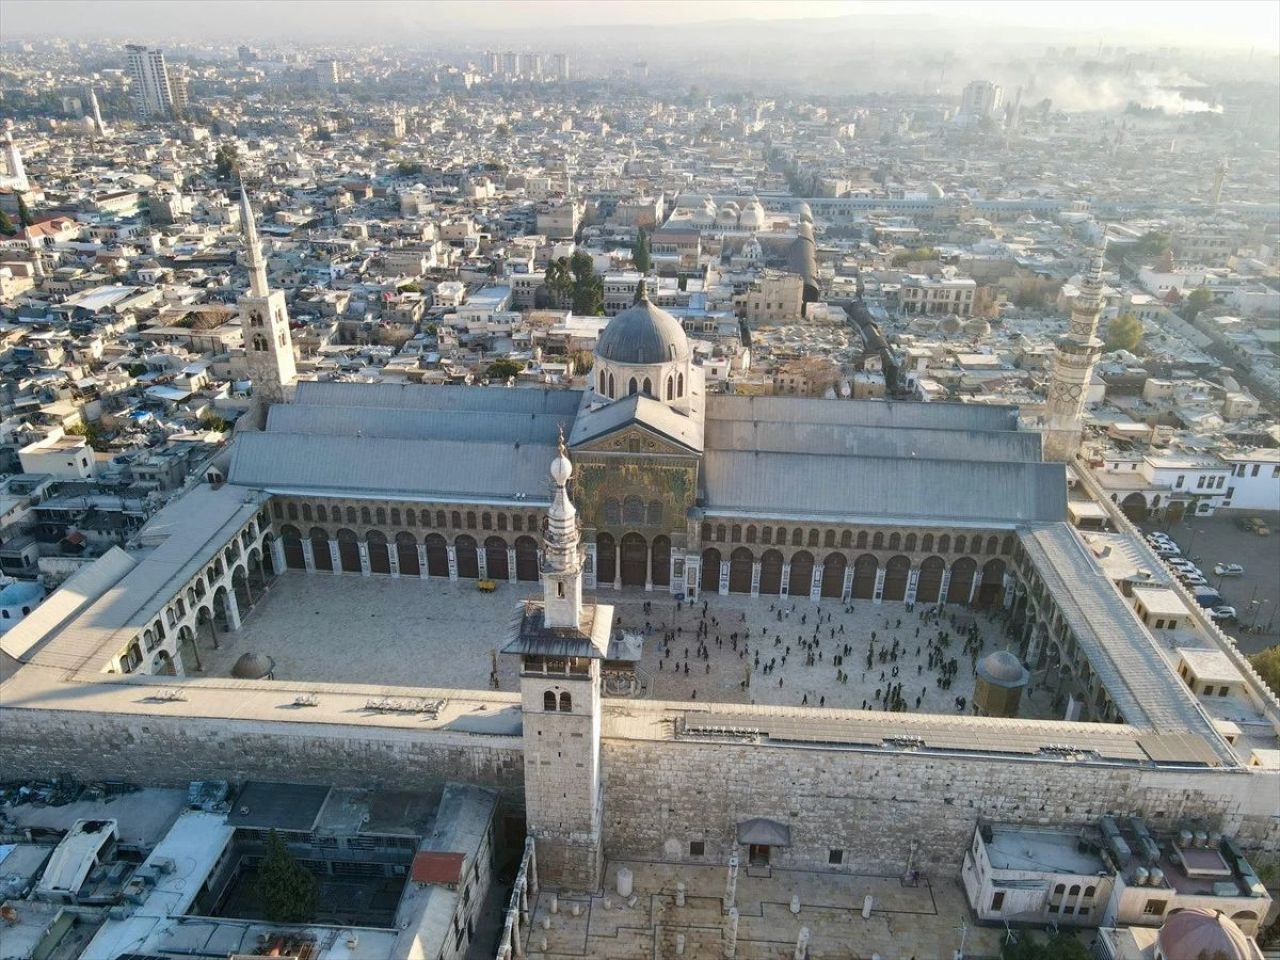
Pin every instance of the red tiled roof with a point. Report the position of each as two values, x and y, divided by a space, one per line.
436 867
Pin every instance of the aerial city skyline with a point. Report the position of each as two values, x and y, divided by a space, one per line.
551 480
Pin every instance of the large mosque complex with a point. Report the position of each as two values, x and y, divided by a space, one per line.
648 536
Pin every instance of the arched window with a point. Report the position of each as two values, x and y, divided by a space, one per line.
944 543
736 533
648 387
720 532
1060 889
440 519
612 511
846 538
751 534
1090 891
517 523
322 515
566 702
603 382
471 520
926 543
632 387
502 521
877 542
960 544
549 701
993 544
292 510
813 538
365 516
829 538
486 521
381 514
797 537
1007 546
680 385
1074 891
611 386
671 388
633 511
766 535
910 544
306 511
895 541
706 531
861 543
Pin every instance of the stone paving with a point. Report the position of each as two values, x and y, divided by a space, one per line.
410 632
923 921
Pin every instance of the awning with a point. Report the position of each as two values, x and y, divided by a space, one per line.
762 832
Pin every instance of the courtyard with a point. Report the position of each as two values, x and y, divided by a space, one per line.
927 920
768 650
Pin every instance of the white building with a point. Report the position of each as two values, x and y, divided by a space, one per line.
1254 481
152 91
59 455
980 100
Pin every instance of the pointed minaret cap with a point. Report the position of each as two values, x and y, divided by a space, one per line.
642 291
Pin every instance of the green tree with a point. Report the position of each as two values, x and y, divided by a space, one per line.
24 215
502 370
284 888
1198 300
6 225
212 421
408 168
588 286
1267 663
1124 333
913 255
225 161
1059 946
640 253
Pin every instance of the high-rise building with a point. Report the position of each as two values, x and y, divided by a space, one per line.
531 65
510 64
246 55
1074 357
560 66
15 174
980 100
152 91
328 72
264 319
99 128
181 91
491 62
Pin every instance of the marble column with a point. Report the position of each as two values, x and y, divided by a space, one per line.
308 556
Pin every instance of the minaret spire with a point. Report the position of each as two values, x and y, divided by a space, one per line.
1074 357
253 248
562 550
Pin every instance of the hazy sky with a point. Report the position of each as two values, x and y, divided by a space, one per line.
1132 23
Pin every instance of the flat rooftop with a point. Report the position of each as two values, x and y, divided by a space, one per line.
1016 848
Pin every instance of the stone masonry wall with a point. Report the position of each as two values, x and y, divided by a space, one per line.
872 806
170 751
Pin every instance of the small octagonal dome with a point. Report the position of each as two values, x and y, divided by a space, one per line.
1199 932
1003 669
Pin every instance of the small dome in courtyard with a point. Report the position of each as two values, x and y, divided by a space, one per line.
952 325
253 666
1003 669
977 327
1199 932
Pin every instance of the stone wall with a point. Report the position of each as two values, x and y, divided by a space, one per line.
660 796
170 751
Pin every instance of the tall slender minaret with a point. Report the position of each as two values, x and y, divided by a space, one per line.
15 173
561 643
1075 354
1219 179
99 128
264 320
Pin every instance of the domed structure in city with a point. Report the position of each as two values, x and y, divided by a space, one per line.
752 217
952 325
1003 668
933 191
643 350
728 215
1200 932
253 666
977 327
997 692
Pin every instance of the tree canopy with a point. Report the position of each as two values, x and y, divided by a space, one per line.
502 369
1060 946
6 225
1124 333
1267 663
284 888
913 255
1197 300
640 253
225 161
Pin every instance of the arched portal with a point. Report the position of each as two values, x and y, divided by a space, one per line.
495 559
379 552
437 555
771 573
407 555
991 586
606 559
833 568
801 580
1135 507
291 538
635 560
320 555
526 559
740 563
660 565
930 583
896 573
710 582
864 577
348 551
962 574
464 547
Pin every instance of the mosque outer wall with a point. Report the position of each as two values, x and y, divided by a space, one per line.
872 806
171 751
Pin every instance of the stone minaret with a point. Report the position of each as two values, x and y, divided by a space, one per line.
264 319
99 128
1075 354
561 641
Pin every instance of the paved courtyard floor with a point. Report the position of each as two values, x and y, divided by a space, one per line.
410 632
924 921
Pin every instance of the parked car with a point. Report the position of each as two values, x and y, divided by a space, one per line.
1167 550
1224 614
1228 570
1193 579
1180 563
1158 537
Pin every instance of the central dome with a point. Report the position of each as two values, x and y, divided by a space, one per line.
1198 932
643 333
